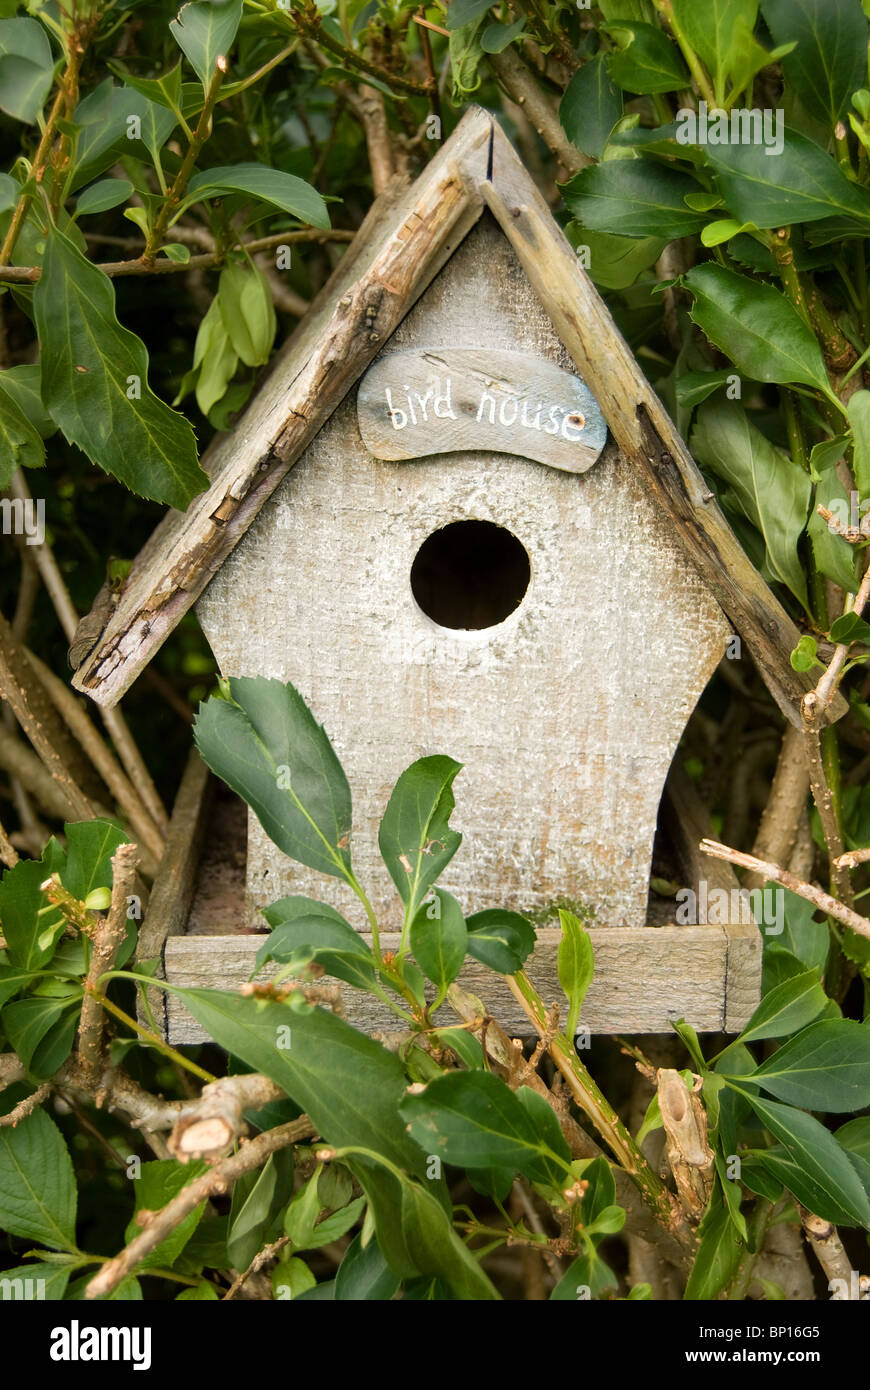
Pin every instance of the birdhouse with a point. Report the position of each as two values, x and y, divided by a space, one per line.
458 519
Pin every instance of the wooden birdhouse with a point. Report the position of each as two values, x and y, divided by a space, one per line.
458 519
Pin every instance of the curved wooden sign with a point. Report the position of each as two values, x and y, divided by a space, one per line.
442 400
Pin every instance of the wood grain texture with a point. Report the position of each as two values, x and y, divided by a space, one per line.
397 255
442 400
638 421
643 979
565 716
388 270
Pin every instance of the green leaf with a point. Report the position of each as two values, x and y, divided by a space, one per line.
835 558
31 1022
712 30
267 746
415 838
829 61
21 898
590 107
695 387
588 1277
37 1186
462 12
645 61
364 1274
439 939
812 1165
90 846
788 1007
805 655
774 493
850 628
806 939
203 1292
615 261
718 1253
108 118
801 184
291 1278
256 1207
633 197
24 385
205 32
858 411
26 68
331 1228
348 1083
158 1182
266 185
89 363
248 312
42 1280
474 1120
576 966
756 326
163 91
825 1067
300 922
502 940
21 445
497 37
102 196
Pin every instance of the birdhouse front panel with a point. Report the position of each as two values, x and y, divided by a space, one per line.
449 568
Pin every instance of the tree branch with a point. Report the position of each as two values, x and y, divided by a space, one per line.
107 939
832 906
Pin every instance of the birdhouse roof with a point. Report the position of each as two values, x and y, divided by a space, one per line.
403 243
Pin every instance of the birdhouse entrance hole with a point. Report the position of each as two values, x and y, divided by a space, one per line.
470 574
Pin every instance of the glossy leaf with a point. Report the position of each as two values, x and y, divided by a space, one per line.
102 196
31 1022
645 59
439 939
26 68
713 30
364 1274
829 60
299 922
614 261
30 939
805 938
785 1009
21 444
108 119
633 197
158 1182
576 966
264 184
474 1120
801 184
774 493
95 382
718 1253
35 1279
204 31
265 743
502 940
858 411
248 312
756 326
256 1206
590 107
37 1186
415 838
835 558
825 1067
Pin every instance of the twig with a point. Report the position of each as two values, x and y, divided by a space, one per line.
20 703
107 939
523 88
823 1239
112 718
216 1181
208 1128
852 858
261 1258
310 25
102 758
29 274
27 769
832 906
786 801
689 1154
203 130
815 702
8 852
26 1106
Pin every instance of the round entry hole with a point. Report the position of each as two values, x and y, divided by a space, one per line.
470 574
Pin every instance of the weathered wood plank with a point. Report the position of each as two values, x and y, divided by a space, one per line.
394 269
172 892
442 400
637 419
643 979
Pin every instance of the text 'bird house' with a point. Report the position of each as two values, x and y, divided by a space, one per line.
457 518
